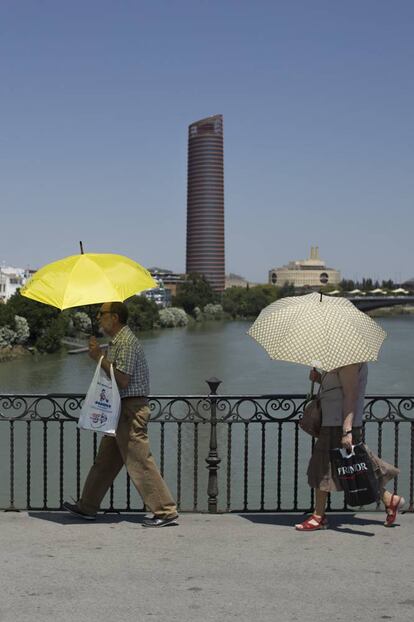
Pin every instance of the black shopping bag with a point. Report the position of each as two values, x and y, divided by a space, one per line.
356 474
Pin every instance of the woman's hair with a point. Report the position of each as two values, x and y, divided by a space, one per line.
121 310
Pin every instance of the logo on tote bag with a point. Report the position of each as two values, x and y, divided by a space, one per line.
352 469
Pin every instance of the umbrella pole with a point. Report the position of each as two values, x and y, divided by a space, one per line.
313 383
94 323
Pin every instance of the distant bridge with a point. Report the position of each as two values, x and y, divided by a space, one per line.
367 303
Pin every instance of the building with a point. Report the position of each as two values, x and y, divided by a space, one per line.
160 295
310 272
205 201
169 279
235 280
12 279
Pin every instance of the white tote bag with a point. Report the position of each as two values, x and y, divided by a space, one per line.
102 406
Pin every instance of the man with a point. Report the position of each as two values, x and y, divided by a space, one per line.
131 444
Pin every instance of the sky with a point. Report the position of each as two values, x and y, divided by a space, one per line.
318 102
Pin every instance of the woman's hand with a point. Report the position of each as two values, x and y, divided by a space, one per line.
314 376
347 442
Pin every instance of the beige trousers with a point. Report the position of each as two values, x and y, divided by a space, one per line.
131 448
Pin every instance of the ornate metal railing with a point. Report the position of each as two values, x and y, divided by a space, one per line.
217 453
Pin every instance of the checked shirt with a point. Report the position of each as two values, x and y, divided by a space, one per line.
127 355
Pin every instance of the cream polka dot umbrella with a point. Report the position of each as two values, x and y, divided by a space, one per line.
317 330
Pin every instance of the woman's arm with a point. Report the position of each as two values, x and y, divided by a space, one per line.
349 376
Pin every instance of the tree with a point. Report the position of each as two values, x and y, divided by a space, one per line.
287 289
50 340
347 285
366 284
142 313
248 302
196 291
234 301
39 316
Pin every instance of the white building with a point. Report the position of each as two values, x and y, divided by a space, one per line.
310 272
11 279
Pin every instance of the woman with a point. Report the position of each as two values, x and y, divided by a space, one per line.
342 401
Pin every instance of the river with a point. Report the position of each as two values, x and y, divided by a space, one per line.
181 359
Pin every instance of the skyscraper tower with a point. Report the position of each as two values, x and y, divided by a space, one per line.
205 200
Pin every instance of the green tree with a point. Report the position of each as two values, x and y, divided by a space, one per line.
196 291
347 285
287 289
366 284
249 301
50 340
39 316
234 301
258 297
142 313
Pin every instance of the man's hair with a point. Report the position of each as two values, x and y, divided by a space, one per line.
121 310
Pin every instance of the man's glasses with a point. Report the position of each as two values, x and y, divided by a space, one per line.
101 313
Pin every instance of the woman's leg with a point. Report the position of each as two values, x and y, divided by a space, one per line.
320 502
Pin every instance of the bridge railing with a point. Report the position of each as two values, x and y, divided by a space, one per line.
217 453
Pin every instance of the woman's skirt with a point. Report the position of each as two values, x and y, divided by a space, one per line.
320 474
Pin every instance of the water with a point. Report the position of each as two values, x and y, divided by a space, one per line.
180 361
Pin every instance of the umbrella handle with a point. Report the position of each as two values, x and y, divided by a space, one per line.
313 383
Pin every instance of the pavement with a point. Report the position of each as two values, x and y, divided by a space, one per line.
244 567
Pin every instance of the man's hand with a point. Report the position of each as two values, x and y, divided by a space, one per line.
95 351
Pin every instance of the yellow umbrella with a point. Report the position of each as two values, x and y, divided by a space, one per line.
86 279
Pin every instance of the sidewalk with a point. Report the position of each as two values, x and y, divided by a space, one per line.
249 568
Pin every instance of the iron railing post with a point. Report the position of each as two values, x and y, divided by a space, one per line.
213 459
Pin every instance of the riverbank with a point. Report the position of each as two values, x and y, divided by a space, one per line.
392 311
9 353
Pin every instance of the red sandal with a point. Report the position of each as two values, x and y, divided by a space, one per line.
392 510
313 523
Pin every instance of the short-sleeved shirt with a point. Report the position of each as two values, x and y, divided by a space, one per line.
127 356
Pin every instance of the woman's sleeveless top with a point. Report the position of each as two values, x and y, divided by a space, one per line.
332 399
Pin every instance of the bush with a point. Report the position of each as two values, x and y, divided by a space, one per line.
7 337
198 314
15 333
172 317
82 322
22 329
213 312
